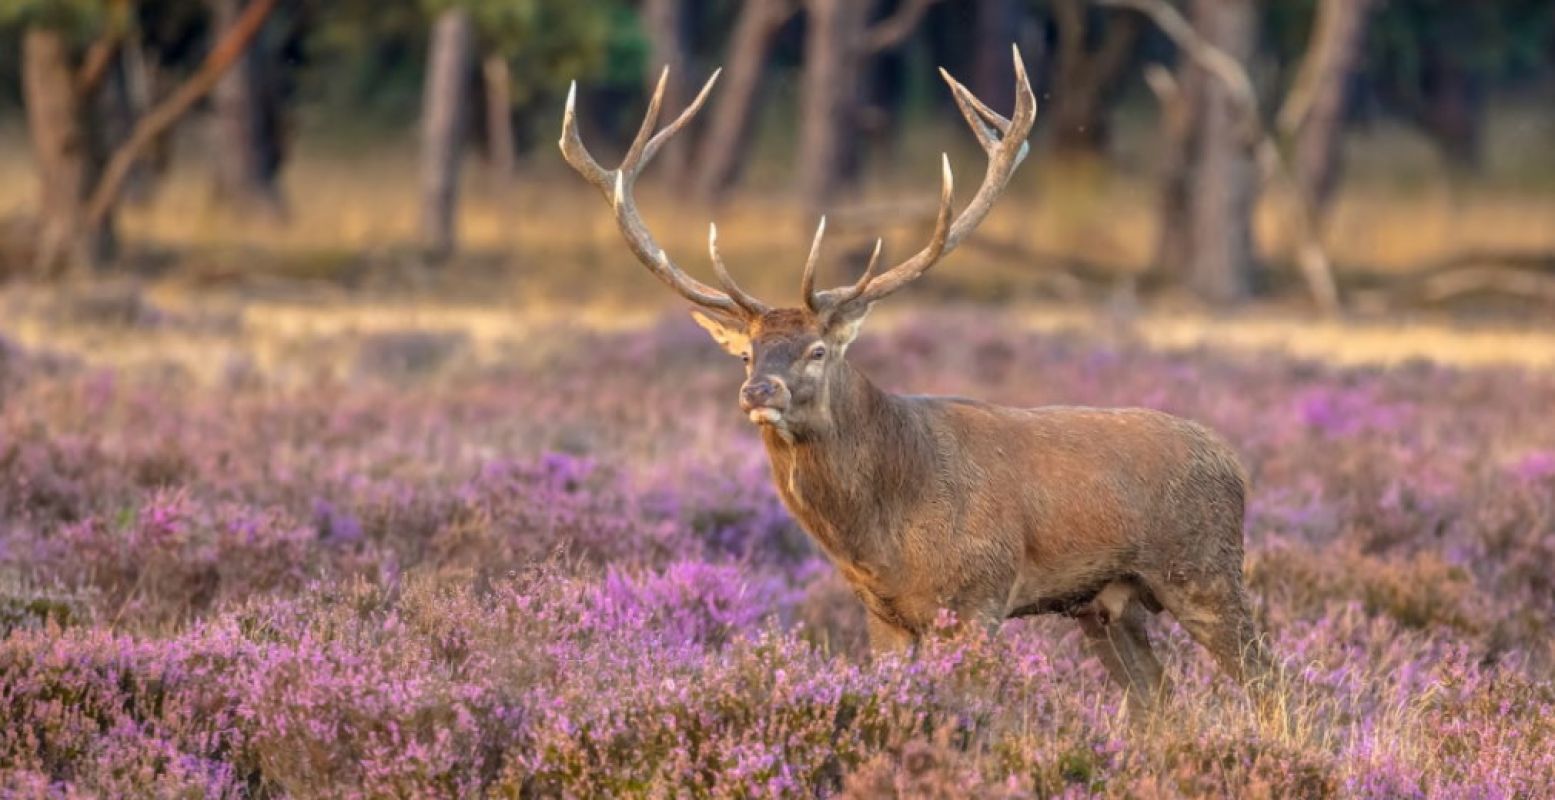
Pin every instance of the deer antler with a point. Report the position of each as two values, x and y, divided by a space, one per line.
1004 140
616 185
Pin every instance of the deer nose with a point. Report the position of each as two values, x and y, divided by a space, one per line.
760 393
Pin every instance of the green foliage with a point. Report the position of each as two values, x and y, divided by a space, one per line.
550 42
370 54
1496 39
366 55
78 17
70 14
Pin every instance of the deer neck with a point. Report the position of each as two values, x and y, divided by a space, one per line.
838 480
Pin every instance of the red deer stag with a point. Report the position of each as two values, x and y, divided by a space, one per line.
1105 515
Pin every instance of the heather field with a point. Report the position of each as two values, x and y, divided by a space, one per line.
374 561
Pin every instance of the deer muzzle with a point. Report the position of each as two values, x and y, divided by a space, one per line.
764 399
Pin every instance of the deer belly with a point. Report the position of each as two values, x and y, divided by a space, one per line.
1071 588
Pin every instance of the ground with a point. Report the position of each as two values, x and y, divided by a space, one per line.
269 546
293 513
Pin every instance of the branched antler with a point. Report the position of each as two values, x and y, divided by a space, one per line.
1004 140
617 184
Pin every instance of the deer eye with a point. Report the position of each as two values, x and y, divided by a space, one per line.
818 352
745 358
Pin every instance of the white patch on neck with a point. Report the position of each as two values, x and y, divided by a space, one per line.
772 418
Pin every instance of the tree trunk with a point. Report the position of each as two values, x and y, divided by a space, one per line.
246 128
665 23
1179 98
68 161
139 77
501 146
444 111
1088 79
839 41
1453 110
1312 117
1223 180
830 92
997 25
724 146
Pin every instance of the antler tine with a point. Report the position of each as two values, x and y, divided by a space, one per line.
978 115
837 298
633 162
1009 152
683 119
616 185
807 281
903 273
573 151
1004 140
745 301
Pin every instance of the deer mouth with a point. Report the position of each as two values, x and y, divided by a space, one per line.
766 415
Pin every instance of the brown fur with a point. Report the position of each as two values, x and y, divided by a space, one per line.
938 502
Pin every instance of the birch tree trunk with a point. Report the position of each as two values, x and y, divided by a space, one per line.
1179 97
1223 187
444 112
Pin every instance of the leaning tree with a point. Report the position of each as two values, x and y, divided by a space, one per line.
69 48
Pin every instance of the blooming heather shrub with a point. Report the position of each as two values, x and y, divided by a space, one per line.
172 558
1420 591
404 355
569 576
23 604
931 769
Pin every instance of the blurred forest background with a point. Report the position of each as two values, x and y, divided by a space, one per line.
1354 156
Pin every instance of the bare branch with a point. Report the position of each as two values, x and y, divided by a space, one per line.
222 56
100 55
1174 105
1339 25
1311 256
1505 280
1211 58
890 32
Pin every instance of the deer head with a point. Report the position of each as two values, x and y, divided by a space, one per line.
794 357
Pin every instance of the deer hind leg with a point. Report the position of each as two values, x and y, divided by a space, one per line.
1115 631
1216 614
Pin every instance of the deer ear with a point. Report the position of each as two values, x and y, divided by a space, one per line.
728 332
843 325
